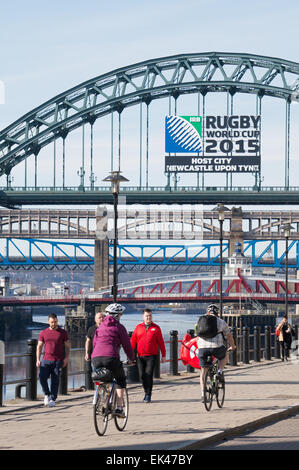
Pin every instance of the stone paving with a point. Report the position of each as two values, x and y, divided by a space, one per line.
281 435
176 419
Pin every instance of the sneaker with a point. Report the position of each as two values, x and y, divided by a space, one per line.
202 399
120 413
46 400
52 403
147 398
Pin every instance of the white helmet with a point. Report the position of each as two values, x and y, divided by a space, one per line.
114 309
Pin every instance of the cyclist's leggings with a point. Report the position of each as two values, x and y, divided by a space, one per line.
114 365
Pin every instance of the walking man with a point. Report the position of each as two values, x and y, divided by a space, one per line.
285 337
148 338
99 317
56 353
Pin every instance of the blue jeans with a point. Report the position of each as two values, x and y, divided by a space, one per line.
50 369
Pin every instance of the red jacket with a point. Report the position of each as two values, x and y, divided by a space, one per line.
148 340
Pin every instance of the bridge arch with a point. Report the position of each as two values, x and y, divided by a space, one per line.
142 83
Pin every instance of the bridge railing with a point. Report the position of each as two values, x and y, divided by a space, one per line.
251 345
126 189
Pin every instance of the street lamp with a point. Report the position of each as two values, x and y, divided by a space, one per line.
115 178
287 233
220 208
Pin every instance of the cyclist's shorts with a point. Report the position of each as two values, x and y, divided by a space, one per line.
114 365
203 353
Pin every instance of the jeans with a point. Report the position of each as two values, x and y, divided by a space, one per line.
50 369
146 365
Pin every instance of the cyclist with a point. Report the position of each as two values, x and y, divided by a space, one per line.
107 340
214 346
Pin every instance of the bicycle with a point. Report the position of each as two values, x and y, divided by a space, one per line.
213 385
105 402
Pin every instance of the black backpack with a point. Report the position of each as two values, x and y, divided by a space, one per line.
206 327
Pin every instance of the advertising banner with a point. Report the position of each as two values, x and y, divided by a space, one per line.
220 143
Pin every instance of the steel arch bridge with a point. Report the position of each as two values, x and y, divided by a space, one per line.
140 84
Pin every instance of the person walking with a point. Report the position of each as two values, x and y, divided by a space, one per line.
107 340
56 345
284 331
148 339
211 331
98 318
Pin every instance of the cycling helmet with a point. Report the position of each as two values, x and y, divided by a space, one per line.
114 309
212 308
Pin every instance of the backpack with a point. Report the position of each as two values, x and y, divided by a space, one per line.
206 327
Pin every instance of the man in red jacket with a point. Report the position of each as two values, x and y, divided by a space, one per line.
148 338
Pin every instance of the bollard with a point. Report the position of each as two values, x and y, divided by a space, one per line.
257 343
157 366
87 372
245 331
132 371
2 362
31 370
233 354
268 348
173 370
190 368
63 381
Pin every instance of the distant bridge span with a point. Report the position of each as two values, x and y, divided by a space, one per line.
177 289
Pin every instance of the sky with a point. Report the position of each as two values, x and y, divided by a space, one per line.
49 47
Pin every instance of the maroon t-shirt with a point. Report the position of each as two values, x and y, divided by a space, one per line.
53 340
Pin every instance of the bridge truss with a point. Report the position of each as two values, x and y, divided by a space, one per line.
146 224
16 254
138 85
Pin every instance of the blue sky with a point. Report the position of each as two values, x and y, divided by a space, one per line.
48 47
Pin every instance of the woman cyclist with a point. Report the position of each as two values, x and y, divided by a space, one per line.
108 339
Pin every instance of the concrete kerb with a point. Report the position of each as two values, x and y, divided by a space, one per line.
238 430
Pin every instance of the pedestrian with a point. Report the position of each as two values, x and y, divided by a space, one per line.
148 338
107 340
56 353
98 318
284 331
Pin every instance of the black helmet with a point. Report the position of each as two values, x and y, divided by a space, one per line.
213 308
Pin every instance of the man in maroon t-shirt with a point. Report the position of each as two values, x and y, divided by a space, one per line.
56 353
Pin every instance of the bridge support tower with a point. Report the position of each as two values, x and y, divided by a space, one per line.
236 230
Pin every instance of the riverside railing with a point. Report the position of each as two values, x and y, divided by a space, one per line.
251 346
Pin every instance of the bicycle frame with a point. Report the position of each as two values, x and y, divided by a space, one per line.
213 386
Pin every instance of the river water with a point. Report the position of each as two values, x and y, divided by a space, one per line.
15 368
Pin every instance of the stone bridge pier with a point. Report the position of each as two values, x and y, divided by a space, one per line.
236 230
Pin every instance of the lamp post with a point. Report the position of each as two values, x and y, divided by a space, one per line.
115 178
287 232
221 214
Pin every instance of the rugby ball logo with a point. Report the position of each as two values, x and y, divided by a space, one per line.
183 134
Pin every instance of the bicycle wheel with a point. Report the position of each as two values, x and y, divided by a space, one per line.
100 411
220 394
121 422
208 390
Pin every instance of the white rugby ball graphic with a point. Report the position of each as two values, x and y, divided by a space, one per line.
183 133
